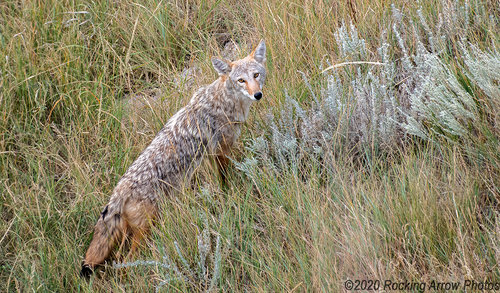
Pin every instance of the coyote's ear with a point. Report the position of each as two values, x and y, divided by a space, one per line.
259 54
221 66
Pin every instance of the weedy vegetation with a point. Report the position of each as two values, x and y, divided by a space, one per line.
374 153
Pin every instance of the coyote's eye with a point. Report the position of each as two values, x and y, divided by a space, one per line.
256 75
241 80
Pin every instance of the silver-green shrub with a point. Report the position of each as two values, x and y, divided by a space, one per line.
201 276
398 94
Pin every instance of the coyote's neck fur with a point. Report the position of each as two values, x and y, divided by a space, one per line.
209 123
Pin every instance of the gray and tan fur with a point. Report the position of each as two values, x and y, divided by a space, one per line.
209 123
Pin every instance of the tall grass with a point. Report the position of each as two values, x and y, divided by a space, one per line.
374 153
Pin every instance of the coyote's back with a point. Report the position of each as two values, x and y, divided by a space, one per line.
210 123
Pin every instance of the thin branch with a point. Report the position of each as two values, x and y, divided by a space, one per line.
349 63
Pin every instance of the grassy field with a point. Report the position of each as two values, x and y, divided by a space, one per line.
385 166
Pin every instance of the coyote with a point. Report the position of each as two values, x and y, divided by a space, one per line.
209 124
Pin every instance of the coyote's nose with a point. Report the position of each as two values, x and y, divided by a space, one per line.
258 95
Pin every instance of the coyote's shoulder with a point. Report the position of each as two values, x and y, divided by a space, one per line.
209 123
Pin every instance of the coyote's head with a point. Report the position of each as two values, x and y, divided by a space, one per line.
247 75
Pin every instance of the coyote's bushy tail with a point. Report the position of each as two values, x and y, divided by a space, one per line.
110 228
